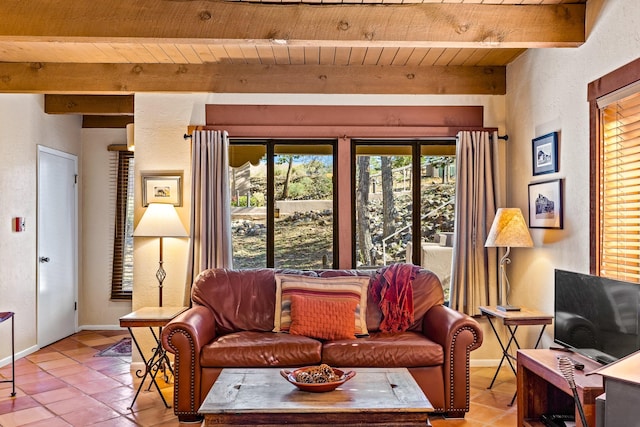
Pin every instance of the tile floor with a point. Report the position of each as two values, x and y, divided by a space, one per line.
65 385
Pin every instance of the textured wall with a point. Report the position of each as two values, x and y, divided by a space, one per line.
547 91
24 125
97 311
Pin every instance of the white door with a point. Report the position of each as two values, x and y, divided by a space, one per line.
57 245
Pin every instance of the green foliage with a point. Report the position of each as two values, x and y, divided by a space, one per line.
312 180
297 190
257 199
308 188
400 161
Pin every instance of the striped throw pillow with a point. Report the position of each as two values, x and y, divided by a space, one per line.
328 288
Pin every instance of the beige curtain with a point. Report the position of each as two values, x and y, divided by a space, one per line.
474 275
210 244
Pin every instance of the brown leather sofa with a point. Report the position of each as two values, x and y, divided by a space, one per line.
231 321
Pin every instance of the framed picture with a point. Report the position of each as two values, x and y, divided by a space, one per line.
545 204
162 187
545 154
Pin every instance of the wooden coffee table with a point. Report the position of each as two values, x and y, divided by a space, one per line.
261 397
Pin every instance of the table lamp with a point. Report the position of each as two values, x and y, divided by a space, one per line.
160 220
508 231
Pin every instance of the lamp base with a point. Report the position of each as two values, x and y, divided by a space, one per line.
508 307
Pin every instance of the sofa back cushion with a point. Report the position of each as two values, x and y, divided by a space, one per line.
240 300
427 292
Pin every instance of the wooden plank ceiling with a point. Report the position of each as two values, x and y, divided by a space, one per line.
120 47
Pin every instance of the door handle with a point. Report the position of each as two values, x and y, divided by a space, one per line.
44 259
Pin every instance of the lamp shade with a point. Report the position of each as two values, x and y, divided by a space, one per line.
160 220
509 230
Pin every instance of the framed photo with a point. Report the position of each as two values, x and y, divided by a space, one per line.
162 187
545 154
545 204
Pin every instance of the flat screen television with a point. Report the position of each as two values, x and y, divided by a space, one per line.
595 316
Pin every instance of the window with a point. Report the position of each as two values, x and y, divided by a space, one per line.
122 273
337 127
619 238
282 203
385 197
615 186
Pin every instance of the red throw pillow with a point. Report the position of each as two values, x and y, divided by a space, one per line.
327 319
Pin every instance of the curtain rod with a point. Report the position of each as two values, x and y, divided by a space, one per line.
505 137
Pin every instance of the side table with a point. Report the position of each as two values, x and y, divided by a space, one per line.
151 317
5 315
512 320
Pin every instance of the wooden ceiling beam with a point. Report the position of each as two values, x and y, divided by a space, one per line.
103 105
55 78
117 147
106 122
216 22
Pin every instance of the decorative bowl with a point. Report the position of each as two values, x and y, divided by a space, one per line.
317 387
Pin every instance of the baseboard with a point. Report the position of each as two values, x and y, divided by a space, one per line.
19 355
101 328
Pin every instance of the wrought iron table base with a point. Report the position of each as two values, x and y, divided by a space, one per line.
5 316
159 361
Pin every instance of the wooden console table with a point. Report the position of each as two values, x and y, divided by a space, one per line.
543 390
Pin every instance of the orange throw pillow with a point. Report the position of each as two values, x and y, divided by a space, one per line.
327 319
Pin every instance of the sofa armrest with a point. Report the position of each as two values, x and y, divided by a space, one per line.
458 334
185 336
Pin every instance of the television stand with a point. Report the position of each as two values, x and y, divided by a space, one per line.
542 389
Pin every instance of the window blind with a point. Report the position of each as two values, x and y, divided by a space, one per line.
122 271
620 188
